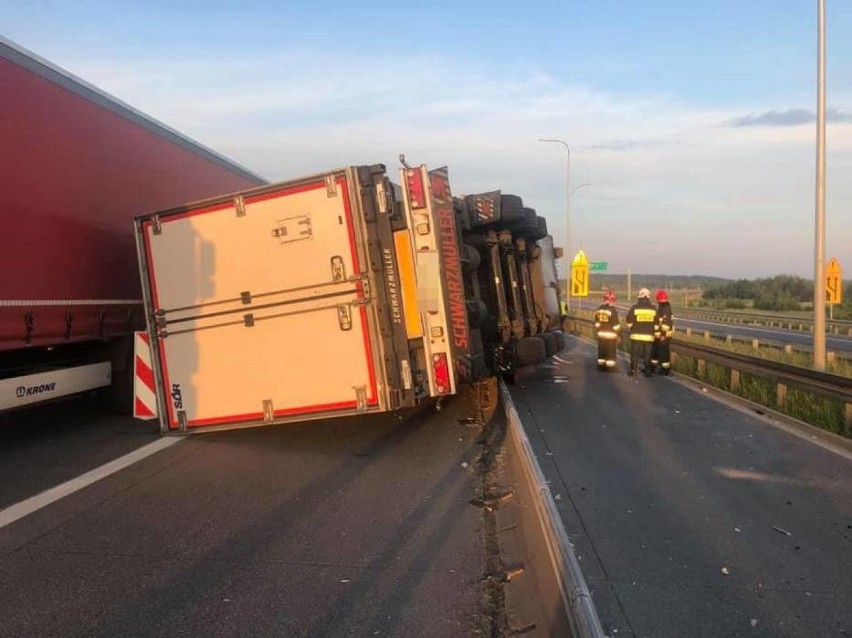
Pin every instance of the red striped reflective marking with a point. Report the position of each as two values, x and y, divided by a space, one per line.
141 409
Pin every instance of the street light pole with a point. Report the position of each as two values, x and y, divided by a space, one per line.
567 216
819 225
571 194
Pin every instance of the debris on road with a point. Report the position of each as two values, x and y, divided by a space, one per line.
781 531
725 570
512 572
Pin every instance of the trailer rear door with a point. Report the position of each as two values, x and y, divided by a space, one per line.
261 306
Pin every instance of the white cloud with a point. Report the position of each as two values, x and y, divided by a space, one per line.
675 188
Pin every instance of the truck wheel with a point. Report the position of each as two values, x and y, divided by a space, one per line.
525 226
530 351
470 258
551 347
511 208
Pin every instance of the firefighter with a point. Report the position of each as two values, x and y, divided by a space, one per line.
642 323
606 331
661 353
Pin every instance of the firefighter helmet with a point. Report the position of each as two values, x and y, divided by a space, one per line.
644 293
662 296
609 297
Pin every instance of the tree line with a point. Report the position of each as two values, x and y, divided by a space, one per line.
778 293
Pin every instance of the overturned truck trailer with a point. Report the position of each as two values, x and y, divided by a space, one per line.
340 293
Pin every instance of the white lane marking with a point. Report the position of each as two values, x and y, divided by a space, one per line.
26 507
751 475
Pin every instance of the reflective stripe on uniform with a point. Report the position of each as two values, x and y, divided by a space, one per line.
645 315
635 337
606 334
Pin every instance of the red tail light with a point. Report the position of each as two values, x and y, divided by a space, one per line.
441 372
416 188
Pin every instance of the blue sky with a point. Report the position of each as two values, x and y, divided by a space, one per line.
692 121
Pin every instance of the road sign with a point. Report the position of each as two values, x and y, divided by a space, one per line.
598 265
833 282
580 276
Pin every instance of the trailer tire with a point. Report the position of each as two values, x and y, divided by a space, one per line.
471 260
551 347
511 208
530 351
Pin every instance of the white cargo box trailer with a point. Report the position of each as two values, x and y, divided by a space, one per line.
312 298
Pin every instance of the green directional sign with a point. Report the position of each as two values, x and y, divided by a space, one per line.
598 265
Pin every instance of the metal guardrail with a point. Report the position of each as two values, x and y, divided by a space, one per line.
821 383
756 343
784 375
834 326
575 594
790 348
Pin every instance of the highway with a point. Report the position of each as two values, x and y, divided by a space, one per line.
803 340
691 517
357 526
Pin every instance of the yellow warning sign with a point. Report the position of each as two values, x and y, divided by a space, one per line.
833 282
580 275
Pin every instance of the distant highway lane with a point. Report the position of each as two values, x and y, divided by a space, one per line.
764 333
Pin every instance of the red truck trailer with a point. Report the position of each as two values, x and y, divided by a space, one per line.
76 166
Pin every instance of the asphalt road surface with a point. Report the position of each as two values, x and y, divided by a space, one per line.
350 527
690 517
764 333
43 446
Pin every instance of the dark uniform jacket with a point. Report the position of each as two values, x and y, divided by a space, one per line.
642 320
606 321
665 320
